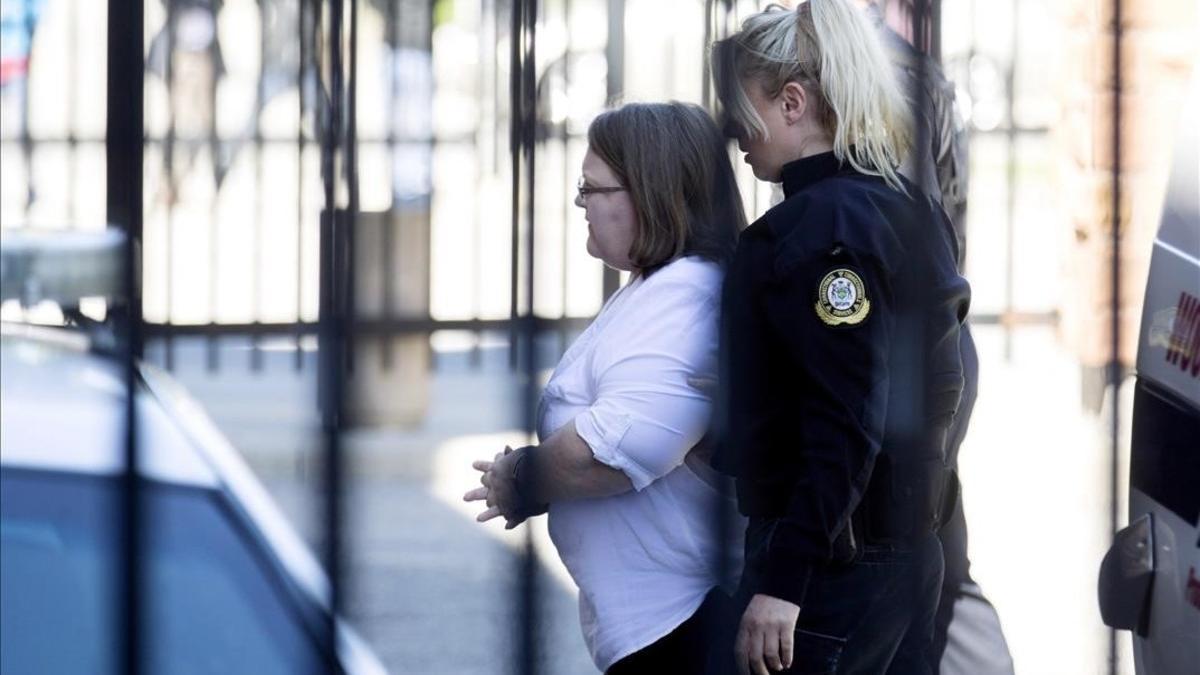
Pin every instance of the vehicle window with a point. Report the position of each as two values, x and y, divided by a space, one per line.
212 606
1165 459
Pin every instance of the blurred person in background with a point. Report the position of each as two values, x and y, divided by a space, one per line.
18 23
938 164
633 504
186 54
841 367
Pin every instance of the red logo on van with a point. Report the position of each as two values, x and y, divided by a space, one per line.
1183 349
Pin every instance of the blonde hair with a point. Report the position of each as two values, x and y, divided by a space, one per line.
829 48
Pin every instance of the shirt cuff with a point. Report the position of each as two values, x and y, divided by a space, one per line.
603 435
785 577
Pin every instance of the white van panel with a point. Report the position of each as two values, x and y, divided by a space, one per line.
1169 344
1169 340
1180 225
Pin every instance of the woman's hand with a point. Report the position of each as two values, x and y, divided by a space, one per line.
498 491
765 637
561 468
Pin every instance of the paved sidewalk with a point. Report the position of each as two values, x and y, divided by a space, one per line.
430 589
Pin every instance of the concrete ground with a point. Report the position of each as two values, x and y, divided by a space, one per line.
434 592
430 589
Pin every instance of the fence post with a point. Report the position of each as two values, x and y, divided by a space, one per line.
123 164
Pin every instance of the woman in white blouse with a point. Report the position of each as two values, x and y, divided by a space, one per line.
633 506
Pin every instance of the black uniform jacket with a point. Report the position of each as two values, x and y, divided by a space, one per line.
840 323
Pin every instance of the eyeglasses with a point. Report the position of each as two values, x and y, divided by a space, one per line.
584 189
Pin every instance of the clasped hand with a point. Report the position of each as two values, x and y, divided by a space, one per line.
499 491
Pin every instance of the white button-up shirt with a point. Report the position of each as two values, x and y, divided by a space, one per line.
643 560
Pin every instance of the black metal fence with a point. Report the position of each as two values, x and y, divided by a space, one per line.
309 61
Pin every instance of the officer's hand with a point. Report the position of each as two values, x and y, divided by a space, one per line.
765 635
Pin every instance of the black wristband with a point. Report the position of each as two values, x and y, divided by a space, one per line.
524 477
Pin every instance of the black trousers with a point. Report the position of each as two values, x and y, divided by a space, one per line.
690 648
954 532
874 616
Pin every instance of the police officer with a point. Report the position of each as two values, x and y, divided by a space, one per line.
841 372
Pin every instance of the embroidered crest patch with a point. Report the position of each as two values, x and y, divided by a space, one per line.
842 299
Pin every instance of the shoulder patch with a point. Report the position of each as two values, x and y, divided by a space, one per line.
842 298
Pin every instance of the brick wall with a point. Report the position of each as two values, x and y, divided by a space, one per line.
1159 50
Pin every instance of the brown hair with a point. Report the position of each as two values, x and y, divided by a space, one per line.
675 164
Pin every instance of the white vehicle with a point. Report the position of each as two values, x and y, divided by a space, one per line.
227 585
1150 578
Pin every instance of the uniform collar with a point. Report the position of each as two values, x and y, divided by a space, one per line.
803 172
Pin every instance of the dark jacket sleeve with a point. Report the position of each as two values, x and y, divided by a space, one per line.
839 425
743 400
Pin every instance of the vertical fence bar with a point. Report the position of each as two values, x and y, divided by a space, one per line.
909 334
494 13
392 39
212 345
705 82
523 113
27 145
488 34
722 516
332 326
168 168
351 176
1010 184
70 99
565 139
430 142
1114 365
615 55
530 587
256 241
515 75
935 33
123 192
301 147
